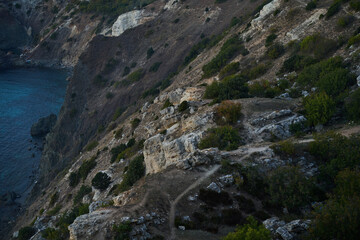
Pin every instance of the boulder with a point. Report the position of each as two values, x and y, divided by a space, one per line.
43 126
214 187
273 223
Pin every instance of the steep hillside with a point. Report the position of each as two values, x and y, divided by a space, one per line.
184 118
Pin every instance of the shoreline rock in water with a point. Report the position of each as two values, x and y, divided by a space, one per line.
43 126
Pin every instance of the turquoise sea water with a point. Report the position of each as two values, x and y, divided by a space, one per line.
25 96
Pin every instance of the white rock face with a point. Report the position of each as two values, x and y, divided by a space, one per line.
268 9
170 4
86 226
129 20
301 30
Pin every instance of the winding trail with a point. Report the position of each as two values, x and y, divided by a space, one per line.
181 195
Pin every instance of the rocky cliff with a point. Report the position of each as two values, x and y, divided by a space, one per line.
145 147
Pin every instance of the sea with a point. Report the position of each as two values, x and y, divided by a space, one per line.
26 94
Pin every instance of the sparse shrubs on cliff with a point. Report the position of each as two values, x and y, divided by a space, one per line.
54 199
231 48
136 76
270 39
225 138
333 9
100 81
167 104
319 108
229 69
135 171
252 230
26 233
354 40
227 113
311 5
275 51
101 181
82 172
317 46
155 67
231 87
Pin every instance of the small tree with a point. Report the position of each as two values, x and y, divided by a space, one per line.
319 108
353 106
250 231
227 113
101 181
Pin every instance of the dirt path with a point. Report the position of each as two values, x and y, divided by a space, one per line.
181 195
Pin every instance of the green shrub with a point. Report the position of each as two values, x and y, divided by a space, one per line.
335 153
150 52
311 5
74 179
91 145
214 198
26 233
100 81
116 151
354 40
135 123
270 39
227 113
317 46
229 69
122 231
345 21
54 199
289 188
101 181
256 71
118 113
126 71
224 138
297 62
250 231
231 87
86 167
235 21
275 51
334 82
167 104
339 217
231 48
55 210
135 171
355 4
253 182
284 147
53 234
353 106
183 106
84 190
319 108
333 9
155 67
136 76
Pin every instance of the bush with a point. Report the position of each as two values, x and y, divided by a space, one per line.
229 69
231 87
250 231
270 39
311 5
84 190
334 82
231 216
116 151
297 62
333 9
224 138
135 171
155 67
354 40
86 167
213 198
167 104
150 52
100 81
101 181
126 71
335 153
54 199
118 113
289 188
256 71
26 233
345 21
122 231
230 49
352 106
275 51
317 46
135 123
74 179
183 106
227 113
91 145
339 217
284 147
319 108
355 4
135 76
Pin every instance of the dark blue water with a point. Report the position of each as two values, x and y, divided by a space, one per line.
25 96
